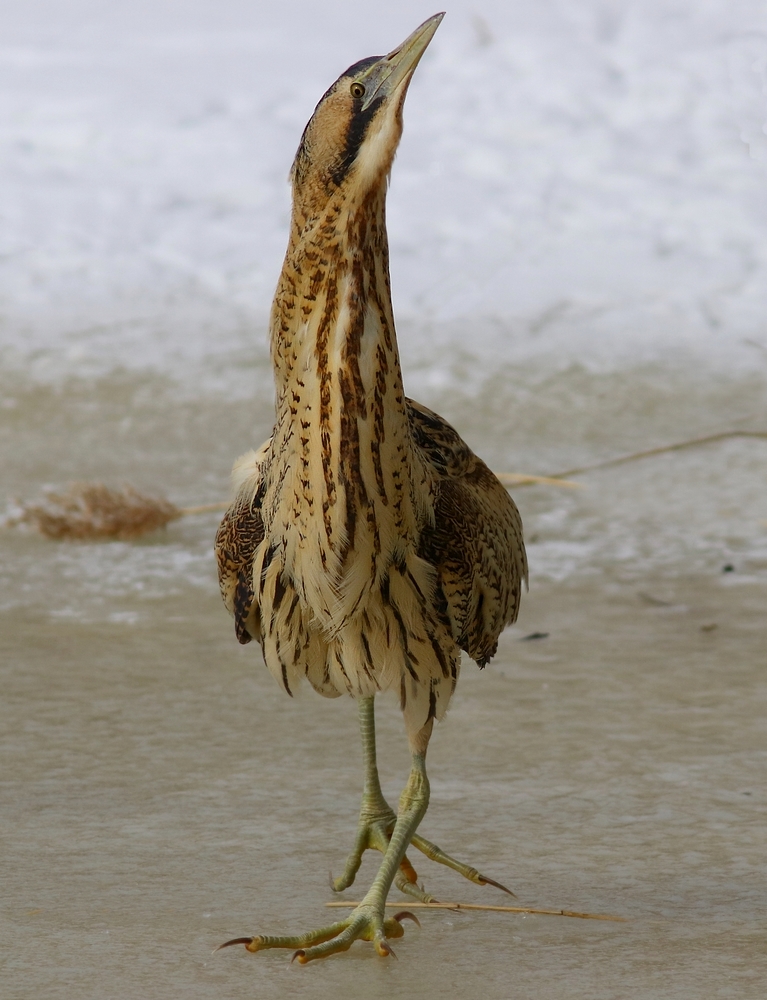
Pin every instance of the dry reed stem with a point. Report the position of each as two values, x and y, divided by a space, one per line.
498 909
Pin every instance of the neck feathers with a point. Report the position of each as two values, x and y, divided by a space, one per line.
344 477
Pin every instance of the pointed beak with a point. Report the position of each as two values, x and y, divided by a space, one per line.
385 76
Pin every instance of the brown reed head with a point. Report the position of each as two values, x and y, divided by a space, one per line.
93 511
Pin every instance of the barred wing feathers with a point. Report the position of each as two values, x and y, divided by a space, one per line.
240 533
475 543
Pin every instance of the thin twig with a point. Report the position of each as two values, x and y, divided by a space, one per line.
679 446
521 479
497 909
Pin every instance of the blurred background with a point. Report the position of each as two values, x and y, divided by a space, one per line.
577 217
578 229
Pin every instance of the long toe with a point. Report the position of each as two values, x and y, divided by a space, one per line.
413 889
435 853
262 942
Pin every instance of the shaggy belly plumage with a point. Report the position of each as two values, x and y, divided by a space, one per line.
395 639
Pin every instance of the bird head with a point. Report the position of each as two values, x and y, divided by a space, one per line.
351 138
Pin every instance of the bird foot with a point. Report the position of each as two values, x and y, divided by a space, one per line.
365 923
373 833
377 820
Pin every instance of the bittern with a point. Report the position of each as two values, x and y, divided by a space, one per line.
367 544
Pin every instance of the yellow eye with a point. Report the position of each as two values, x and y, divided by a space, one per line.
357 90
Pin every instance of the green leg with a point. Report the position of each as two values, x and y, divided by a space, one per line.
377 819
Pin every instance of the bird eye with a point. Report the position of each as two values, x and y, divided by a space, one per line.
357 90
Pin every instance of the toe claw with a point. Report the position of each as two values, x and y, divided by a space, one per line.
242 940
484 880
406 915
300 955
384 949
